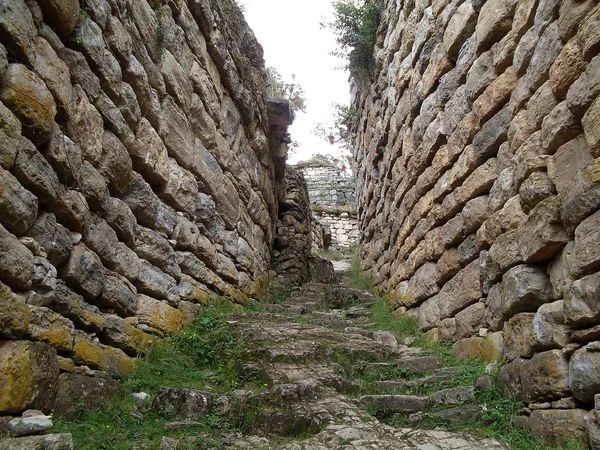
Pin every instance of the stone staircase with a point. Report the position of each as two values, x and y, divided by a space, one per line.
312 351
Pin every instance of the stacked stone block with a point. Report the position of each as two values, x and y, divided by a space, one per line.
137 178
478 189
333 199
294 232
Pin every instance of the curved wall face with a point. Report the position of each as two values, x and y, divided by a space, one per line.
478 150
137 179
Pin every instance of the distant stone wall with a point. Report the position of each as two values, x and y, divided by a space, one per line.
333 199
138 169
478 152
292 248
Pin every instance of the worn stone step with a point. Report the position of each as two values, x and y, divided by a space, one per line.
419 365
393 403
454 396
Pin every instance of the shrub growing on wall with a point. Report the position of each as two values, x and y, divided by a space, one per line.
355 25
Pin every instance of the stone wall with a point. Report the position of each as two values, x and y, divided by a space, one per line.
138 172
293 240
333 200
478 154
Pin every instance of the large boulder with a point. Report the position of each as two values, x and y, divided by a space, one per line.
31 101
584 372
28 376
79 391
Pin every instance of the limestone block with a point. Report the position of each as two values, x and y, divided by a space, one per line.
121 219
94 187
62 16
55 74
524 51
99 356
34 172
584 257
152 281
567 161
584 372
49 327
158 314
504 253
181 188
566 69
85 126
147 207
585 89
524 289
509 217
559 425
502 190
503 51
559 127
469 249
492 134
470 320
449 264
72 306
71 209
149 154
588 35
542 235
572 13
123 334
187 150
530 158
154 248
495 95
590 122
518 337
16 262
495 20
75 390
421 286
64 156
118 294
583 197
459 28
29 376
10 135
541 104
488 349
545 14
192 291
84 271
546 52
549 329
18 30
581 301
480 75
115 164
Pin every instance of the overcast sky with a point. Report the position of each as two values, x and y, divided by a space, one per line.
294 43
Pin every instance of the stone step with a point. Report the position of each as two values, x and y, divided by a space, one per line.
389 404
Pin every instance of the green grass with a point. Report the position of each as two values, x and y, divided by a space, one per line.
205 356
496 421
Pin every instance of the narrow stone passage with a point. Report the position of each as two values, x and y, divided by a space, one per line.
310 349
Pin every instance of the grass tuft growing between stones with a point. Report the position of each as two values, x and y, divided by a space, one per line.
205 356
496 421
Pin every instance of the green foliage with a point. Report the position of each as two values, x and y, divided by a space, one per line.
292 92
277 294
357 279
331 254
205 356
355 25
